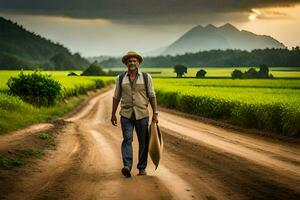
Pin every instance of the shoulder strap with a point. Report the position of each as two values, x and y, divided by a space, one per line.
121 76
145 75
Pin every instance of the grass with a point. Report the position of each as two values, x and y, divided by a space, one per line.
15 113
33 152
45 136
9 162
18 159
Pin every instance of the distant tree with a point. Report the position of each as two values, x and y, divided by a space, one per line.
62 61
72 74
93 70
263 71
237 74
180 70
10 61
251 73
201 73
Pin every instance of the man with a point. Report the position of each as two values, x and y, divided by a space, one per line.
134 89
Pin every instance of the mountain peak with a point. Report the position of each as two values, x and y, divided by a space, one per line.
229 27
198 27
210 26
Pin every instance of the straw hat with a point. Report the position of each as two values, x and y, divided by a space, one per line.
131 54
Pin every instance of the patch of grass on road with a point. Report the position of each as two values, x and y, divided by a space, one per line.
45 136
33 152
9 162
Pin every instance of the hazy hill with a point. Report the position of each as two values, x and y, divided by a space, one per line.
20 48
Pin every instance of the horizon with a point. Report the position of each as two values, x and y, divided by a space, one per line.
116 31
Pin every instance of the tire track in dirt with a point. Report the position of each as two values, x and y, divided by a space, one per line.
35 179
178 187
16 137
97 175
48 169
287 168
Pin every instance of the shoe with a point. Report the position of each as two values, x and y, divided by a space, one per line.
126 171
142 172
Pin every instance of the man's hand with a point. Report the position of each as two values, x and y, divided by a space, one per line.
113 120
154 118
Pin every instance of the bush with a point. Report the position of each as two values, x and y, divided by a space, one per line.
93 70
237 74
35 88
252 73
201 73
72 74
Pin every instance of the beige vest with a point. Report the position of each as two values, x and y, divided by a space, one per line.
134 97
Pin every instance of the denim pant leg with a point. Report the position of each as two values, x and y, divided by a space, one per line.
126 147
141 127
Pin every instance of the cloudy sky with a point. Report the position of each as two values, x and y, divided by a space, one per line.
112 27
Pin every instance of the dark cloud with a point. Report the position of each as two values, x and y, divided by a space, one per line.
140 11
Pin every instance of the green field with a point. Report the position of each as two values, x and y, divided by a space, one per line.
266 104
15 113
68 82
271 105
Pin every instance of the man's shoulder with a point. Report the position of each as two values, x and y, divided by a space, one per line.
121 75
147 74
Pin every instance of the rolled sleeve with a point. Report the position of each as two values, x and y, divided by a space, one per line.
117 93
151 91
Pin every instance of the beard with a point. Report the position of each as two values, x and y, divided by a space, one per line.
132 67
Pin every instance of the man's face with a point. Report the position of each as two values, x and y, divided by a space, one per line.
132 63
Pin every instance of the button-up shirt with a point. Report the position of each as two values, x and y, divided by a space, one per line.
134 97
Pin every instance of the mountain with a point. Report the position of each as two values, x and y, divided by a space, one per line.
155 52
224 37
98 59
20 48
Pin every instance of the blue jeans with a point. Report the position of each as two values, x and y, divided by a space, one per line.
141 128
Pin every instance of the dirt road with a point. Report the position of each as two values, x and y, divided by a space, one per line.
200 161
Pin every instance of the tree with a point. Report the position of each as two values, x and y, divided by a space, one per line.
263 71
72 74
201 73
180 70
251 73
237 74
93 70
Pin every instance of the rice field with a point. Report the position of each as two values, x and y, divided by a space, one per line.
68 82
271 105
15 113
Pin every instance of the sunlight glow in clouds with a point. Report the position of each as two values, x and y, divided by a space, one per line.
254 14
282 23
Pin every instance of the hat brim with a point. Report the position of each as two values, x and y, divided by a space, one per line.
126 57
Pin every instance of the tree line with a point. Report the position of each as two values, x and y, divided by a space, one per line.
222 58
22 49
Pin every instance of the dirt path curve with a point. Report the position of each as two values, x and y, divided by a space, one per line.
200 161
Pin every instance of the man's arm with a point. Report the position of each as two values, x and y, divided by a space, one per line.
152 99
113 113
116 100
153 103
